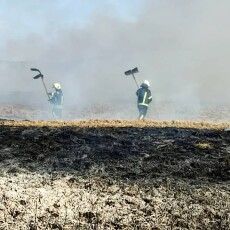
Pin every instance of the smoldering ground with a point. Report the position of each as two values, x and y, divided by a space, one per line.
182 47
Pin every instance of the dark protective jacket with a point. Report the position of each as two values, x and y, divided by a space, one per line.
57 98
144 96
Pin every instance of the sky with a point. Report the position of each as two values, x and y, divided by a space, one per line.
182 47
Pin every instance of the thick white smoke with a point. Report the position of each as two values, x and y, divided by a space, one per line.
182 47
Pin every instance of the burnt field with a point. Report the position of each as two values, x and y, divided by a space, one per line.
114 175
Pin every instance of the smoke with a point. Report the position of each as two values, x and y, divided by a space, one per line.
181 47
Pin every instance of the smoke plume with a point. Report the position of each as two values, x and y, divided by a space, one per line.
181 47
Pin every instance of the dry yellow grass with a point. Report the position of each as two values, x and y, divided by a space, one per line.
121 123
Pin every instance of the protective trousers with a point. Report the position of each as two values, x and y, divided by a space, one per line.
142 111
57 112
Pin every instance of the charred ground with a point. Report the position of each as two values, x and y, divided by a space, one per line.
114 174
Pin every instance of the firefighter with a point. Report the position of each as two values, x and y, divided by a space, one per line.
56 99
144 98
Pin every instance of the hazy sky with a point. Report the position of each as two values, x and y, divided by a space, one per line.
20 18
181 46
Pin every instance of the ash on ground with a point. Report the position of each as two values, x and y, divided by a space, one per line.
114 175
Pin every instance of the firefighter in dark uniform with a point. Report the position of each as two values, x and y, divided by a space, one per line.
56 99
144 98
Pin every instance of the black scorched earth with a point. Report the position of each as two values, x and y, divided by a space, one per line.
114 175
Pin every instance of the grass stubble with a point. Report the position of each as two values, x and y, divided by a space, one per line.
103 174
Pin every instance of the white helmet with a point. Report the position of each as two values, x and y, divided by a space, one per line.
146 82
57 86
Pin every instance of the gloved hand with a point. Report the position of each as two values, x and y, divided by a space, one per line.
50 97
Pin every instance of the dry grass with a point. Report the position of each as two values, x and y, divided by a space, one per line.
204 145
120 123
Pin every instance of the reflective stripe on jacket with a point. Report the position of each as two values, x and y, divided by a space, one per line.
144 96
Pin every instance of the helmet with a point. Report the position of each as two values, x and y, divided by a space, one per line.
146 82
57 86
